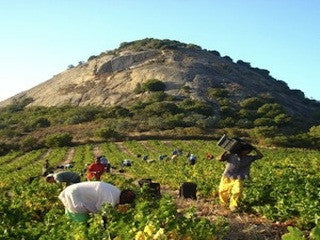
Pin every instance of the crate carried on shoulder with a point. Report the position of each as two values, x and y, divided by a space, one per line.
232 145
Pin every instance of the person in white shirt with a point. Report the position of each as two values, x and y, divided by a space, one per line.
88 197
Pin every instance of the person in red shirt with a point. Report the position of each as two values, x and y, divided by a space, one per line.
209 156
95 170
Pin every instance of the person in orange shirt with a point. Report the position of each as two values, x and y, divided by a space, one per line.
95 170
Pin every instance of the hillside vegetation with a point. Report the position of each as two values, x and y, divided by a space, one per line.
161 115
159 88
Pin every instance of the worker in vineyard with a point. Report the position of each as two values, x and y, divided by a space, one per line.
88 197
192 159
95 170
46 168
105 161
63 177
209 156
174 157
237 169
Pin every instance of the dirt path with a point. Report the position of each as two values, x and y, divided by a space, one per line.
122 148
96 151
147 146
69 157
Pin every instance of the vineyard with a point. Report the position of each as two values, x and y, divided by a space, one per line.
284 191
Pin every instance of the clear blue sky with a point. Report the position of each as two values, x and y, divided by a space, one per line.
40 38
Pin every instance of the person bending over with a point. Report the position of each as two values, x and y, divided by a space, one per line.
60 177
88 197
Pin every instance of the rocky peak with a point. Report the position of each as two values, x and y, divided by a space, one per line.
111 78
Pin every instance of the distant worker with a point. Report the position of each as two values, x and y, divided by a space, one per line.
126 163
104 160
88 197
68 166
237 169
174 157
192 159
175 152
209 156
61 177
162 157
95 170
46 168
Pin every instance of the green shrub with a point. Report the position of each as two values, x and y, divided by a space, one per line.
315 131
263 122
186 88
81 114
40 122
92 57
227 122
138 89
270 110
3 126
265 131
18 105
153 85
224 102
297 93
107 133
209 122
151 43
282 119
228 58
262 72
196 106
245 64
191 119
3 149
302 140
248 114
153 123
214 52
193 46
251 103
228 111
215 93
58 140
138 106
173 121
160 108
29 143
244 123
157 96
118 112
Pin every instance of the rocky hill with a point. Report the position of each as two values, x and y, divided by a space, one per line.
187 71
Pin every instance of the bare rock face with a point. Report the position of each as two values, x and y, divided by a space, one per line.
110 79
